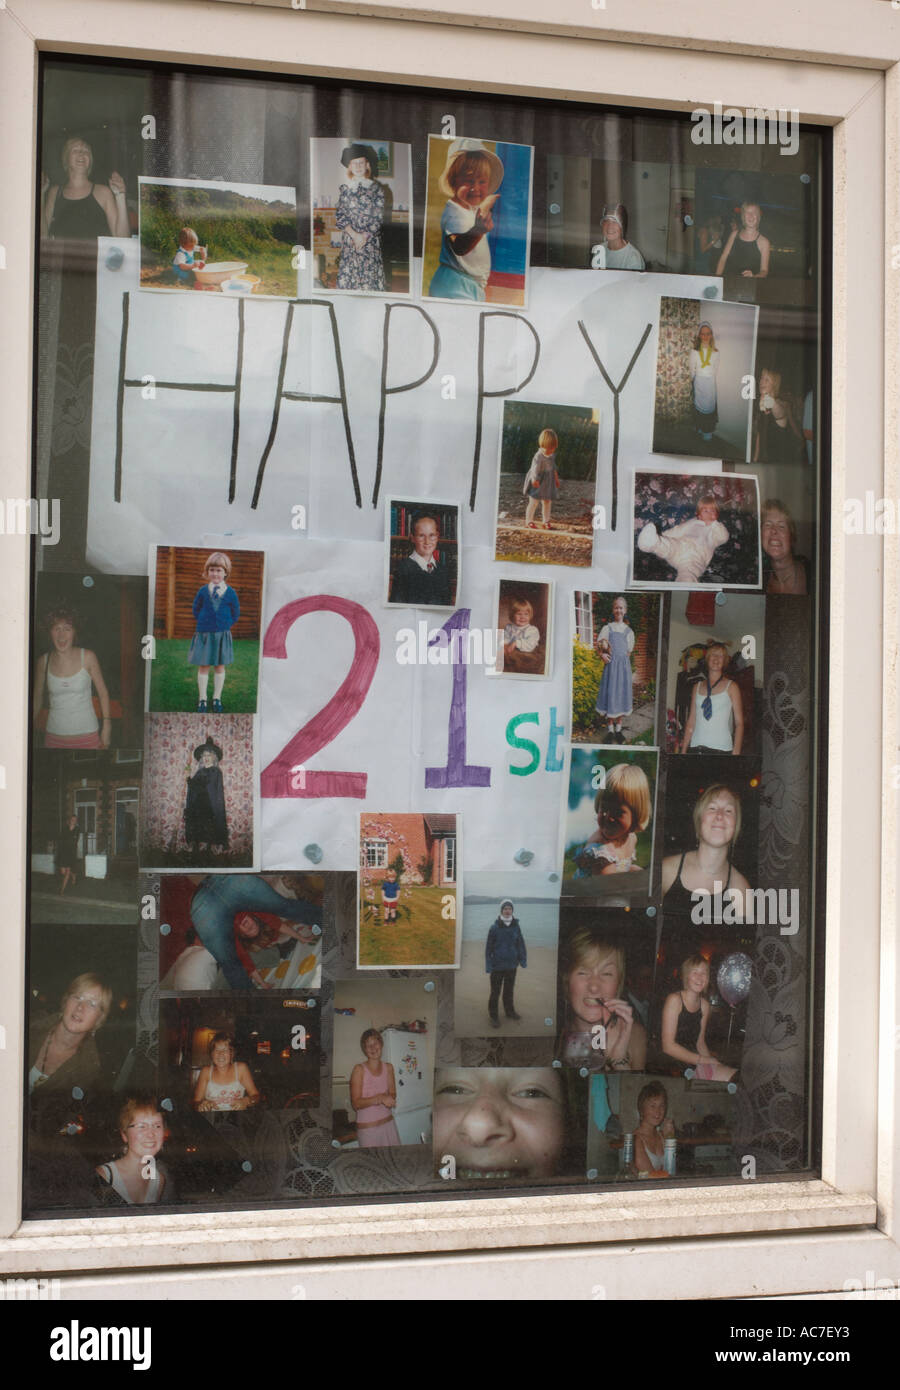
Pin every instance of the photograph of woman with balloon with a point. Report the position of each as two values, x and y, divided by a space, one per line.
699 1006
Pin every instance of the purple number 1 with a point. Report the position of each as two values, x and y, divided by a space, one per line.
457 772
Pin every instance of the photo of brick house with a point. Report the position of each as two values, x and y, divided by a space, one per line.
408 890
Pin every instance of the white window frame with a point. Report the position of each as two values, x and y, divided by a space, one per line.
377 850
584 617
838 62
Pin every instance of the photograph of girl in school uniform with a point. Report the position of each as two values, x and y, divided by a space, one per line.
760 233
229 238
422 552
240 931
547 482
615 676
508 1125
714 682
207 610
695 531
506 982
409 899
706 354
608 826
382 1063
477 221
88 677
198 806
84 835
223 1058
361 200
524 622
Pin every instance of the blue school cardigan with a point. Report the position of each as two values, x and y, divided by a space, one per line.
210 619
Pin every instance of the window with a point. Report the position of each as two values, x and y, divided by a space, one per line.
629 72
376 852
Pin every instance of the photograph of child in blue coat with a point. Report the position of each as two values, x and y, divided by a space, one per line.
213 629
503 954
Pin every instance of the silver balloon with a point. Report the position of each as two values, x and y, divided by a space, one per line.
733 978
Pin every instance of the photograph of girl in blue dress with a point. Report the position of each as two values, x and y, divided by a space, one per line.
206 612
361 200
615 675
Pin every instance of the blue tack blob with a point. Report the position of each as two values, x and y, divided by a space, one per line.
313 853
523 856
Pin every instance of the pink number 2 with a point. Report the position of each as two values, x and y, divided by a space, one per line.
286 775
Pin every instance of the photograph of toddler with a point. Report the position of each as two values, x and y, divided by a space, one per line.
548 461
524 618
211 629
421 553
217 237
477 221
409 901
361 200
705 356
608 828
695 530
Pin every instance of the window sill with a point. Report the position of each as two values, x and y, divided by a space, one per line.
65 1246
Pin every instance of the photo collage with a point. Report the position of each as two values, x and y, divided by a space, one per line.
513 959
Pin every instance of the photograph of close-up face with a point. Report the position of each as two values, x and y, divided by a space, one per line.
505 1124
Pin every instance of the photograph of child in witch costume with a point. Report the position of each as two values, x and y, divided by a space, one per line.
199 797
524 621
477 221
234 238
87 681
507 974
422 553
409 900
615 667
716 660
696 530
608 827
240 931
361 215
547 482
206 608
706 352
